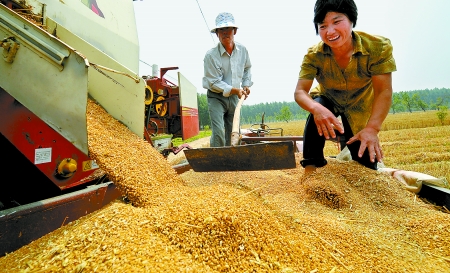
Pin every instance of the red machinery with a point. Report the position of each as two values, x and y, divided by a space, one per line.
50 182
54 180
168 111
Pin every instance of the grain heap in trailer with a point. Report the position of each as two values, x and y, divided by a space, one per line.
57 55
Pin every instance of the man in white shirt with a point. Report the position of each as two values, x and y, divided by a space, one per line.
227 76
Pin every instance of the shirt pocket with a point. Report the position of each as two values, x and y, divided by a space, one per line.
240 72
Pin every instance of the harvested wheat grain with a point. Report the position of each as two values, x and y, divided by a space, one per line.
266 221
137 168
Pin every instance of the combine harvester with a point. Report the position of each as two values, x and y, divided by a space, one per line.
56 55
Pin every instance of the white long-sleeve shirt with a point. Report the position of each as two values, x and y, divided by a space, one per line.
223 71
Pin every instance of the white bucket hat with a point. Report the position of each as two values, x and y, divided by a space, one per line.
224 19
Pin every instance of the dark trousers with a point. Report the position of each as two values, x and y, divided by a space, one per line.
313 143
221 112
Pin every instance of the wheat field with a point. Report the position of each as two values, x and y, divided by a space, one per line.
411 141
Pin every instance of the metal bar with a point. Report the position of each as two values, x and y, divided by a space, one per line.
23 224
272 138
285 138
39 40
440 196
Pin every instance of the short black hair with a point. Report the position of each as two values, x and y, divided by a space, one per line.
322 7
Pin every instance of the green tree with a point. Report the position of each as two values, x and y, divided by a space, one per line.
396 102
285 114
203 114
258 118
442 113
419 102
439 102
407 101
431 97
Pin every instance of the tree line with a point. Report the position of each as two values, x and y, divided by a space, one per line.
405 101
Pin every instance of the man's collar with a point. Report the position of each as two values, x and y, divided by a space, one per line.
222 48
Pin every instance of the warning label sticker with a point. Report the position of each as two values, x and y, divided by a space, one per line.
42 155
89 165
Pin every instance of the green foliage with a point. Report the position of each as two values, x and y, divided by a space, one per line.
442 113
253 113
203 114
407 101
285 114
410 101
397 104
439 102
437 96
419 102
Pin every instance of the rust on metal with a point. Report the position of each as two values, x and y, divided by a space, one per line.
23 224
251 157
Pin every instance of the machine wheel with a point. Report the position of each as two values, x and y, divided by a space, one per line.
148 95
161 108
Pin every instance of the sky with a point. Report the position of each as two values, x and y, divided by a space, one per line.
277 34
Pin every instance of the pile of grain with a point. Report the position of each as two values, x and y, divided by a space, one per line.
344 218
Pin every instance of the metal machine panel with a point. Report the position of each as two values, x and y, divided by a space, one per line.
110 27
116 88
39 144
45 75
189 107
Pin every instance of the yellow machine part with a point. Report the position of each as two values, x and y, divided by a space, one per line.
67 167
161 108
148 95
